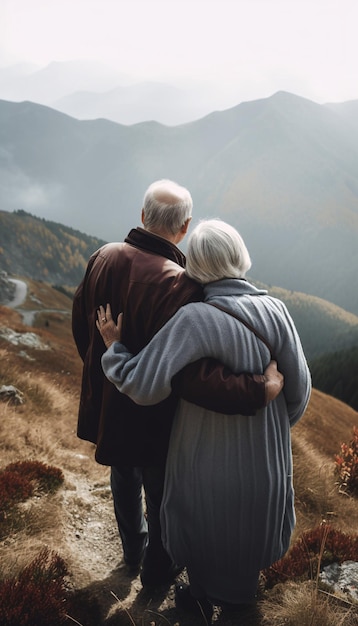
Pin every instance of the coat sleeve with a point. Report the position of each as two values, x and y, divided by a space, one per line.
292 363
79 323
211 385
83 307
146 377
151 375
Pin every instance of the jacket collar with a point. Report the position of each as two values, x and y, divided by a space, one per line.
143 239
231 287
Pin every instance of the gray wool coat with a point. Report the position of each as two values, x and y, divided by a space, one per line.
228 505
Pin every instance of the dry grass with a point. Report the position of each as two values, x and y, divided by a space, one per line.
317 494
78 521
301 604
43 296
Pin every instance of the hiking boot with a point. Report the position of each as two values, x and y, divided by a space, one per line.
155 579
201 607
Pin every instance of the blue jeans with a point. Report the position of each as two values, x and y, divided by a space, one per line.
140 534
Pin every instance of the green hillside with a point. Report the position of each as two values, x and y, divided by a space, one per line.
43 250
337 375
322 326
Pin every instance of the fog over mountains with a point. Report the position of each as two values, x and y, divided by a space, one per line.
283 170
91 90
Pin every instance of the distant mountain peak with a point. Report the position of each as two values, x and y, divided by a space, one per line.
283 170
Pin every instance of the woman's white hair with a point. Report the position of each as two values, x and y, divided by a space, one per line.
215 251
166 207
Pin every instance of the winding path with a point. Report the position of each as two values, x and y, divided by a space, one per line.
20 293
20 297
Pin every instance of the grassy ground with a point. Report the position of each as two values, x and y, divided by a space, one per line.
77 522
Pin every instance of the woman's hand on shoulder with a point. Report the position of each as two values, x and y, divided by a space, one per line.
109 330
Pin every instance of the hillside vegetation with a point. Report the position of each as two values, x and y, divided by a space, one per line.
43 250
329 336
322 326
77 522
337 374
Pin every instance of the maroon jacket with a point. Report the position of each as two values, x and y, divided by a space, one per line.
144 277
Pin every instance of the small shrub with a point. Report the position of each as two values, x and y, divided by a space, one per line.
318 547
37 596
346 465
47 477
14 488
19 481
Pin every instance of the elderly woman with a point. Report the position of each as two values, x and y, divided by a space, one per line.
228 506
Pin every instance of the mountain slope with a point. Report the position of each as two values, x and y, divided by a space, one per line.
44 84
78 522
283 170
323 327
136 103
347 110
337 374
43 250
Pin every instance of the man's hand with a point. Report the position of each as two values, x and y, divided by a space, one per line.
273 381
110 331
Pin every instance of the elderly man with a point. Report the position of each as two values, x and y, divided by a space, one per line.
144 277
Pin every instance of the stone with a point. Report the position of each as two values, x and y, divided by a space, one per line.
11 394
343 578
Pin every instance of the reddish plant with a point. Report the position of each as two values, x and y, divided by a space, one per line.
18 481
48 478
37 596
14 488
346 465
320 546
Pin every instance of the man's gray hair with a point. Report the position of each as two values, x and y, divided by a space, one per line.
215 251
166 207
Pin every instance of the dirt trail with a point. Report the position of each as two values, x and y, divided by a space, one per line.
93 551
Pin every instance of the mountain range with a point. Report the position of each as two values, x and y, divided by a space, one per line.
283 170
93 90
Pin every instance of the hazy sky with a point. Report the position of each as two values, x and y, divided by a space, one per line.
250 47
